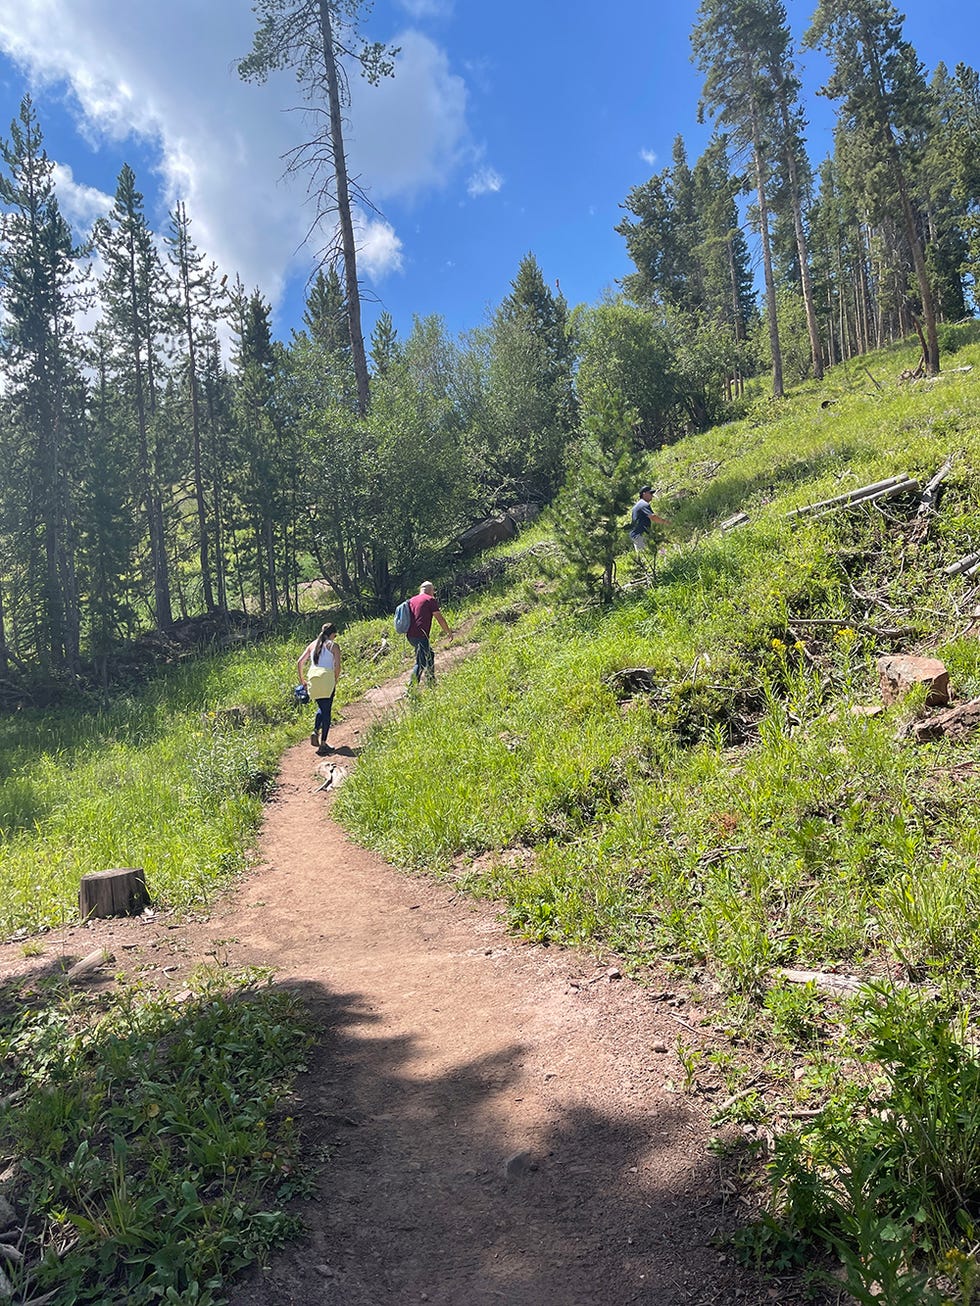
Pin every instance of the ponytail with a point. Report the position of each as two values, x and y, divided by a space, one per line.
326 633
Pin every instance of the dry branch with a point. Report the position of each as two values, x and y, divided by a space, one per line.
903 479
844 985
729 524
966 566
82 969
930 492
891 492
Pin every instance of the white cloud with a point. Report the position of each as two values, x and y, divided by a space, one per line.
165 75
408 132
648 156
379 251
80 204
485 181
427 8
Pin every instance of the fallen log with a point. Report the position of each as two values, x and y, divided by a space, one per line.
82 969
842 985
931 492
892 492
902 479
729 524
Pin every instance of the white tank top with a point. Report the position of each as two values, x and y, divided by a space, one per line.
326 658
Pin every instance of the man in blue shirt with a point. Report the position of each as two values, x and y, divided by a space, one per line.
642 518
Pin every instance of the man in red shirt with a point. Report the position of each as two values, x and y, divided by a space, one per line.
423 607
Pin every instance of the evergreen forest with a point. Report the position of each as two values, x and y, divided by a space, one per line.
165 457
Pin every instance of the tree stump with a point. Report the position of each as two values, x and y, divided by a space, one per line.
120 892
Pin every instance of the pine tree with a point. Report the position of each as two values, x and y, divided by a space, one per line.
325 314
661 242
728 42
590 509
133 289
722 251
384 344
880 82
531 392
789 149
38 295
198 308
950 183
262 464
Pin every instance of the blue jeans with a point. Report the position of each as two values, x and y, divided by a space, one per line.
425 659
324 711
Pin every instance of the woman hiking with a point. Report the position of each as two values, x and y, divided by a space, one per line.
323 656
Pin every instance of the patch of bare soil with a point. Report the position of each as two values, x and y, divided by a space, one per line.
496 1117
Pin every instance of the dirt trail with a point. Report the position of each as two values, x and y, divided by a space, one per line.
494 1116
496 1113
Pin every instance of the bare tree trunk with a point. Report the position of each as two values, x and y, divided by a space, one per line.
777 357
4 661
738 324
351 288
803 254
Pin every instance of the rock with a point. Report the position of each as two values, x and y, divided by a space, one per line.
518 1164
867 709
613 973
6 1288
955 723
901 672
8 1216
485 534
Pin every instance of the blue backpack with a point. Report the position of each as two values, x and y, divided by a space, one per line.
403 618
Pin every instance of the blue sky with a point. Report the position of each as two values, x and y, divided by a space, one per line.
509 127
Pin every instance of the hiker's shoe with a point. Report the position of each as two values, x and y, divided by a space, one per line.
315 739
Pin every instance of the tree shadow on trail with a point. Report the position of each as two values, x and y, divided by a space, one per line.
428 1194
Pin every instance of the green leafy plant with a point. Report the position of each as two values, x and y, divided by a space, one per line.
155 1156
888 1174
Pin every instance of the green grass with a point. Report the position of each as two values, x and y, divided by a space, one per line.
740 815
155 1149
165 778
736 817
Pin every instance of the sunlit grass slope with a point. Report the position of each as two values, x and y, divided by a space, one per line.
738 813
164 779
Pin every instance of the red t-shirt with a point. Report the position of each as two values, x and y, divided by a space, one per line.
423 608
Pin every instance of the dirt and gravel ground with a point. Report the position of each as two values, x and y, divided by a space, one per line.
499 1122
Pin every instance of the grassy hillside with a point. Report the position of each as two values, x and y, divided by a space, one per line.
736 812
730 811
741 812
166 778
